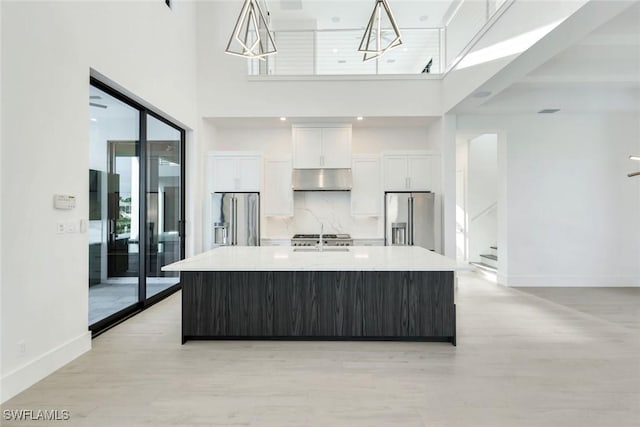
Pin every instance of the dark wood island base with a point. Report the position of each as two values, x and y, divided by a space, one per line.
318 305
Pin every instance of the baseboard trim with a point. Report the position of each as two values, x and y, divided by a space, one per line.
35 370
573 281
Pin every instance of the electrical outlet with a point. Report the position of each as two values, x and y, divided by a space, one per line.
22 348
60 227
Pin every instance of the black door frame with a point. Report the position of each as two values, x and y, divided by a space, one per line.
144 302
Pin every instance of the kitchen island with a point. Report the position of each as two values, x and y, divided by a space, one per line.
355 293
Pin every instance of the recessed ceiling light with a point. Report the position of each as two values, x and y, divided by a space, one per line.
360 118
482 94
342 61
335 50
423 18
404 49
549 111
94 119
335 19
282 119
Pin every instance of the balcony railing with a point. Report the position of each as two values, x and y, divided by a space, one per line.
335 52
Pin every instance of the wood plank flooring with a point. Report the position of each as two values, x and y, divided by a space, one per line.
521 360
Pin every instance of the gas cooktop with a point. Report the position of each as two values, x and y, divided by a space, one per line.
328 240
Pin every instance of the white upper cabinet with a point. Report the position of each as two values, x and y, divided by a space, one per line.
336 148
278 192
366 193
416 171
395 173
234 171
321 147
307 148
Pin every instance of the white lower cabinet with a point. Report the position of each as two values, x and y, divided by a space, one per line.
277 192
366 193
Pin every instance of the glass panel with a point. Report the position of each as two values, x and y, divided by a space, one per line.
163 204
113 208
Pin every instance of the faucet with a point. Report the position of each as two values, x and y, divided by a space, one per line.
321 246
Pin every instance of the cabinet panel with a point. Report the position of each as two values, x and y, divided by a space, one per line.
224 174
278 195
366 194
395 173
234 172
336 148
420 173
307 148
249 174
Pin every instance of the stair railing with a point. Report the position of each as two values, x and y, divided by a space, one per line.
485 211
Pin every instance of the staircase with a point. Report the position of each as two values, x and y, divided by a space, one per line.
488 262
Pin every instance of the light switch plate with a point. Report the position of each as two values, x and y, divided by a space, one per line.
71 227
60 227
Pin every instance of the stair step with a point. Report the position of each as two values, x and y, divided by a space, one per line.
489 259
485 267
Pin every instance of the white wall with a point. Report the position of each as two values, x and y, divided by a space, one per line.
482 194
48 50
224 77
311 208
1 208
444 131
570 211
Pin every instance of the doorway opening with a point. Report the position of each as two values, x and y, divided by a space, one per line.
477 188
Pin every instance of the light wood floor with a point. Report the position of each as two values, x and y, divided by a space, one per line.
522 360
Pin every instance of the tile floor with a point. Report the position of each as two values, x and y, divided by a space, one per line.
114 294
534 358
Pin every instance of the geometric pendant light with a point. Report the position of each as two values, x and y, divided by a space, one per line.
378 37
251 37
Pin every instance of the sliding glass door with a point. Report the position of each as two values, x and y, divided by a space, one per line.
136 206
114 215
164 196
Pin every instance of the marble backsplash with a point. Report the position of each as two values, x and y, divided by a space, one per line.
330 208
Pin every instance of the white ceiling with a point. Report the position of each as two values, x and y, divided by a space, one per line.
601 73
317 14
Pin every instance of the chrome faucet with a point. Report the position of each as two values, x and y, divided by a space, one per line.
321 245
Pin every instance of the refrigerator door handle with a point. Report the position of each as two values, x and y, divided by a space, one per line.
234 221
410 222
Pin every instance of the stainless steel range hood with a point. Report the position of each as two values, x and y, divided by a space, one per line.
322 179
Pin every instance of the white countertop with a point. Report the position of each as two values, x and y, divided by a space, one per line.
285 258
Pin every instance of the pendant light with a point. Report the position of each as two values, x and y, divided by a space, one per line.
374 43
251 37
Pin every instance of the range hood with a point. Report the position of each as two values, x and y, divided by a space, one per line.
322 179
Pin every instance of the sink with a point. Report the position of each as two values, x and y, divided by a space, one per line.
325 249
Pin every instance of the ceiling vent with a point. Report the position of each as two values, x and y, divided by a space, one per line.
549 111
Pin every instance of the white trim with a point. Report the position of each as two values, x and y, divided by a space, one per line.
571 281
344 77
35 370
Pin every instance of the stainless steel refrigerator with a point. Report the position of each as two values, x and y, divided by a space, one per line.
235 219
410 219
